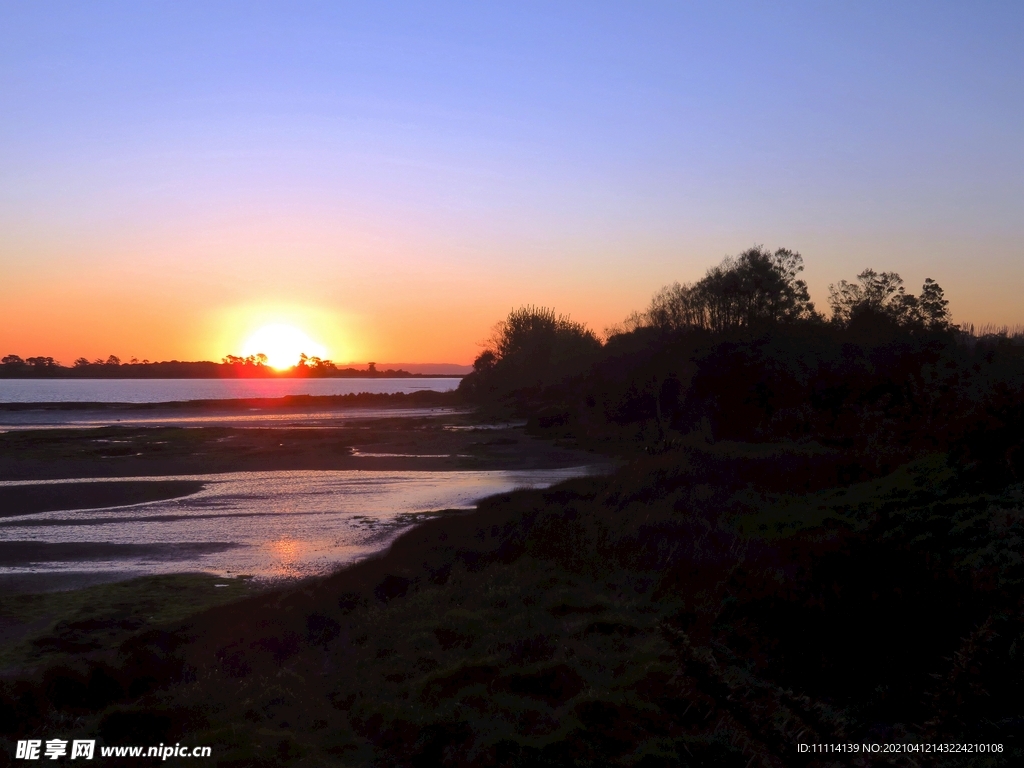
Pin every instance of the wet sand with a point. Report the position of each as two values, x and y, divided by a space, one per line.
383 434
61 581
15 553
443 442
31 499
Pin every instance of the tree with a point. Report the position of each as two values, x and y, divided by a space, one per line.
881 297
12 360
485 362
536 335
42 362
258 360
882 293
933 306
313 364
756 287
532 347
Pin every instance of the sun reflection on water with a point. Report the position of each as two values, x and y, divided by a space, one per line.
271 524
286 556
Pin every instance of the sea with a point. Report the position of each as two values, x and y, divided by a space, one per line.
178 390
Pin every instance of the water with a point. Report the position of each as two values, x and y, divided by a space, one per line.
268 524
252 417
176 390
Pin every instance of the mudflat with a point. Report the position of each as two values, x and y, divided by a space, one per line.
30 499
24 552
441 443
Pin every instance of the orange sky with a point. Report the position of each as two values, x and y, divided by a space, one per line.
393 183
400 302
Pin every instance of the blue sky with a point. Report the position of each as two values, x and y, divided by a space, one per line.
395 177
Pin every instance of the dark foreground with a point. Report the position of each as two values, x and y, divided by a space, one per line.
713 605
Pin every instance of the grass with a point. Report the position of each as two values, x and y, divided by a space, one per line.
47 628
692 609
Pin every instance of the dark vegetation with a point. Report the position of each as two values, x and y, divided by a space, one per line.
815 537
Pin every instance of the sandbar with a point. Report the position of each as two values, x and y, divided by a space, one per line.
32 499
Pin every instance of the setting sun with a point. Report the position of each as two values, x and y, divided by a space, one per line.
282 344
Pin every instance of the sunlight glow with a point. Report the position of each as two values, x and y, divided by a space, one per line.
282 344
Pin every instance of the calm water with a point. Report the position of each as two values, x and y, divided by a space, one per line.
176 390
253 417
269 524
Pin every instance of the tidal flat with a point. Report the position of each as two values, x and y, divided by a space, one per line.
422 441
97 487
268 499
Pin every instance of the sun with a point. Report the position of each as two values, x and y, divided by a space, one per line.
282 344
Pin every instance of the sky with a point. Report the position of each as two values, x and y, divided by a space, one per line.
391 179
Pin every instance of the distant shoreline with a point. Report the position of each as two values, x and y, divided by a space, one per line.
142 376
252 367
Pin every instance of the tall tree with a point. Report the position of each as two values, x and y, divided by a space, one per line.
756 287
532 347
882 295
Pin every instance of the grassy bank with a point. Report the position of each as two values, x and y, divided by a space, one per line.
706 606
45 629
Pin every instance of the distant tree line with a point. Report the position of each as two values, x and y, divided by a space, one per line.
231 366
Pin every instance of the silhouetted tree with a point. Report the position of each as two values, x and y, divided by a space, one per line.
754 288
531 348
12 360
42 362
880 297
485 362
933 306
258 359
311 365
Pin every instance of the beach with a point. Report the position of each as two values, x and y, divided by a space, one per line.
248 487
